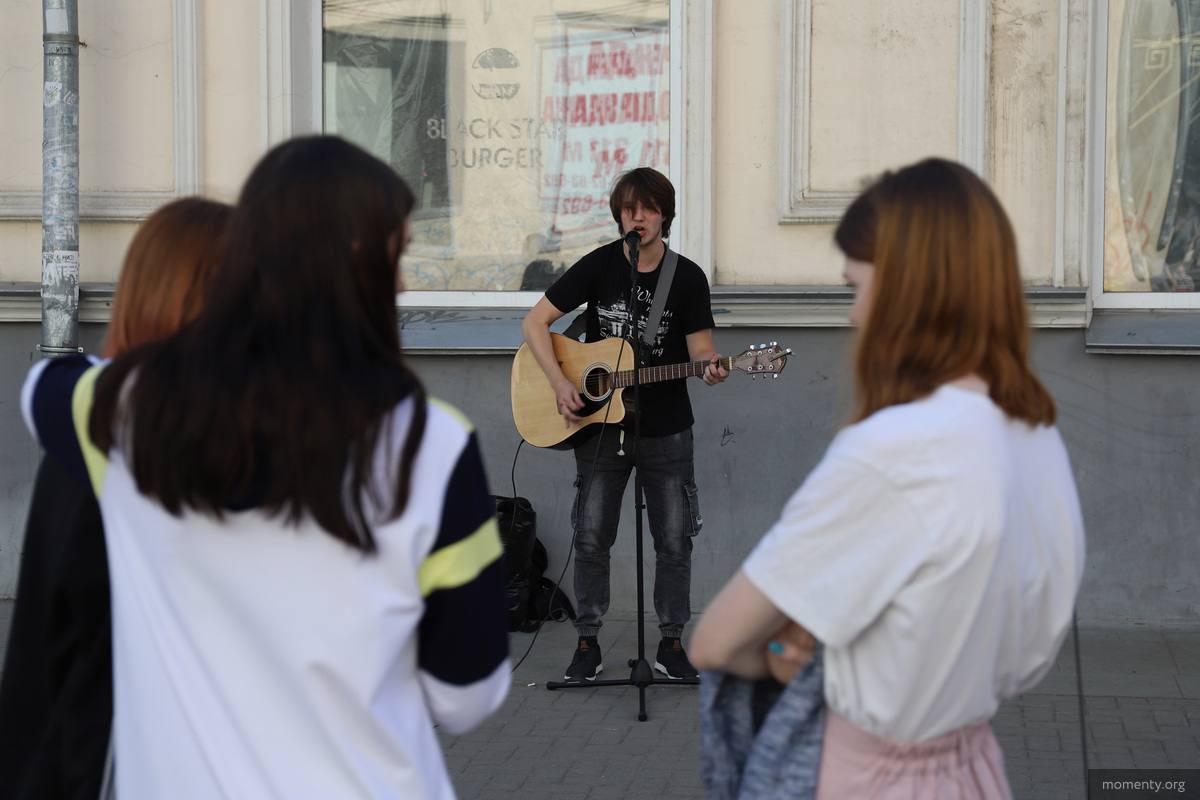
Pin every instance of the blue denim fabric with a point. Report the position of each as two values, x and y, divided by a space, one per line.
779 759
672 512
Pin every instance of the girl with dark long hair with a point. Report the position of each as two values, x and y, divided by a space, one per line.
306 571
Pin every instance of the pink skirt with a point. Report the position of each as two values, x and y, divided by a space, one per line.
965 764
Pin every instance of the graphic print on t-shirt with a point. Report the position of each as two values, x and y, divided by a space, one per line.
614 315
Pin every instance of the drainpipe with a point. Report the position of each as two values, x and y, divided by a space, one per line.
60 179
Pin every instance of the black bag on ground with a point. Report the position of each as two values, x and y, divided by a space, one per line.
531 597
546 599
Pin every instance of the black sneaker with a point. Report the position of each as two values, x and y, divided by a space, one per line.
673 662
586 662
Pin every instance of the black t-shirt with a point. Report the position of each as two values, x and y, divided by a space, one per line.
601 279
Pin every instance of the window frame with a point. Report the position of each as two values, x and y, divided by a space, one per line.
1100 300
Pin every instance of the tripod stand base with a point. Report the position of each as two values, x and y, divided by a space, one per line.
641 675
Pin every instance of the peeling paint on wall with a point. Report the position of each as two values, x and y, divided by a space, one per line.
1024 108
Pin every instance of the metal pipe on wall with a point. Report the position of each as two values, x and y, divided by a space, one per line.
60 178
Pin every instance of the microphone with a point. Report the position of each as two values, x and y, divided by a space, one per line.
633 239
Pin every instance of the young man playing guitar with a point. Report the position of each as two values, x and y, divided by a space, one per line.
643 204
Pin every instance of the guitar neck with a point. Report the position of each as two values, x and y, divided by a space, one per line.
670 372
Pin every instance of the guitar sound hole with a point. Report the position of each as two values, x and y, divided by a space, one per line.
597 384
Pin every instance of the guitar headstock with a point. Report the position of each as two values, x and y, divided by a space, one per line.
766 359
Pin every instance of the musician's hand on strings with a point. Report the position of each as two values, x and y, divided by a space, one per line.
714 373
568 402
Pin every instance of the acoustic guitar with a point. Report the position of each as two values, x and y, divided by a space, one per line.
593 368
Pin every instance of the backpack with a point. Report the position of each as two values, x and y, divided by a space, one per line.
531 597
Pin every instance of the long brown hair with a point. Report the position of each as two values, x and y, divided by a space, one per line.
167 269
276 395
947 298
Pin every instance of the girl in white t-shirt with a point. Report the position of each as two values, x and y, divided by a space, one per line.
937 549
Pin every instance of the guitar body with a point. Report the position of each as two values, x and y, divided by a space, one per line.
600 371
535 406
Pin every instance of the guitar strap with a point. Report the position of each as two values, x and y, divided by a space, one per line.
670 258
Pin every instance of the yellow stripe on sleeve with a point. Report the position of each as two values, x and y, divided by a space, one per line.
460 563
454 412
81 411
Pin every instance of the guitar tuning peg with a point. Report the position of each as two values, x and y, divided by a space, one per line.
762 346
774 344
776 375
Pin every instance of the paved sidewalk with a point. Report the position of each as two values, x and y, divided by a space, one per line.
1142 689
571 744
1143 711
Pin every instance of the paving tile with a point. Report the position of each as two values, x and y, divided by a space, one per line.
1161 684
1048 727
1043 744
1012 747
1183 752
1042 776
1185 649
1019 781
1106 732
1124 649
1055 683
1189 686
1100 703
1037 713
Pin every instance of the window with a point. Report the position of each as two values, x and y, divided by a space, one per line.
509 120
1151 167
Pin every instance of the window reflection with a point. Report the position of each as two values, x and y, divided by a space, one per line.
509 120
1152 199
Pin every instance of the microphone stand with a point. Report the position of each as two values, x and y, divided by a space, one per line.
641 675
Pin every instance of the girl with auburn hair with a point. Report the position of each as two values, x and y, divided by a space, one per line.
167 269
56 695
934 554
946 261
307 575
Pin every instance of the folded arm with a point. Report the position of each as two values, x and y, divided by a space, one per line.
734 633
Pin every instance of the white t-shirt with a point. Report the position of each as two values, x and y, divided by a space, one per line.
936 551
253 659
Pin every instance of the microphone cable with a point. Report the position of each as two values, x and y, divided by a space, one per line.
574 528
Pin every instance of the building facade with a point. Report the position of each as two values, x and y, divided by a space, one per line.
510 121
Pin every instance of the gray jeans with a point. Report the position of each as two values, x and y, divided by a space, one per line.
672 509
